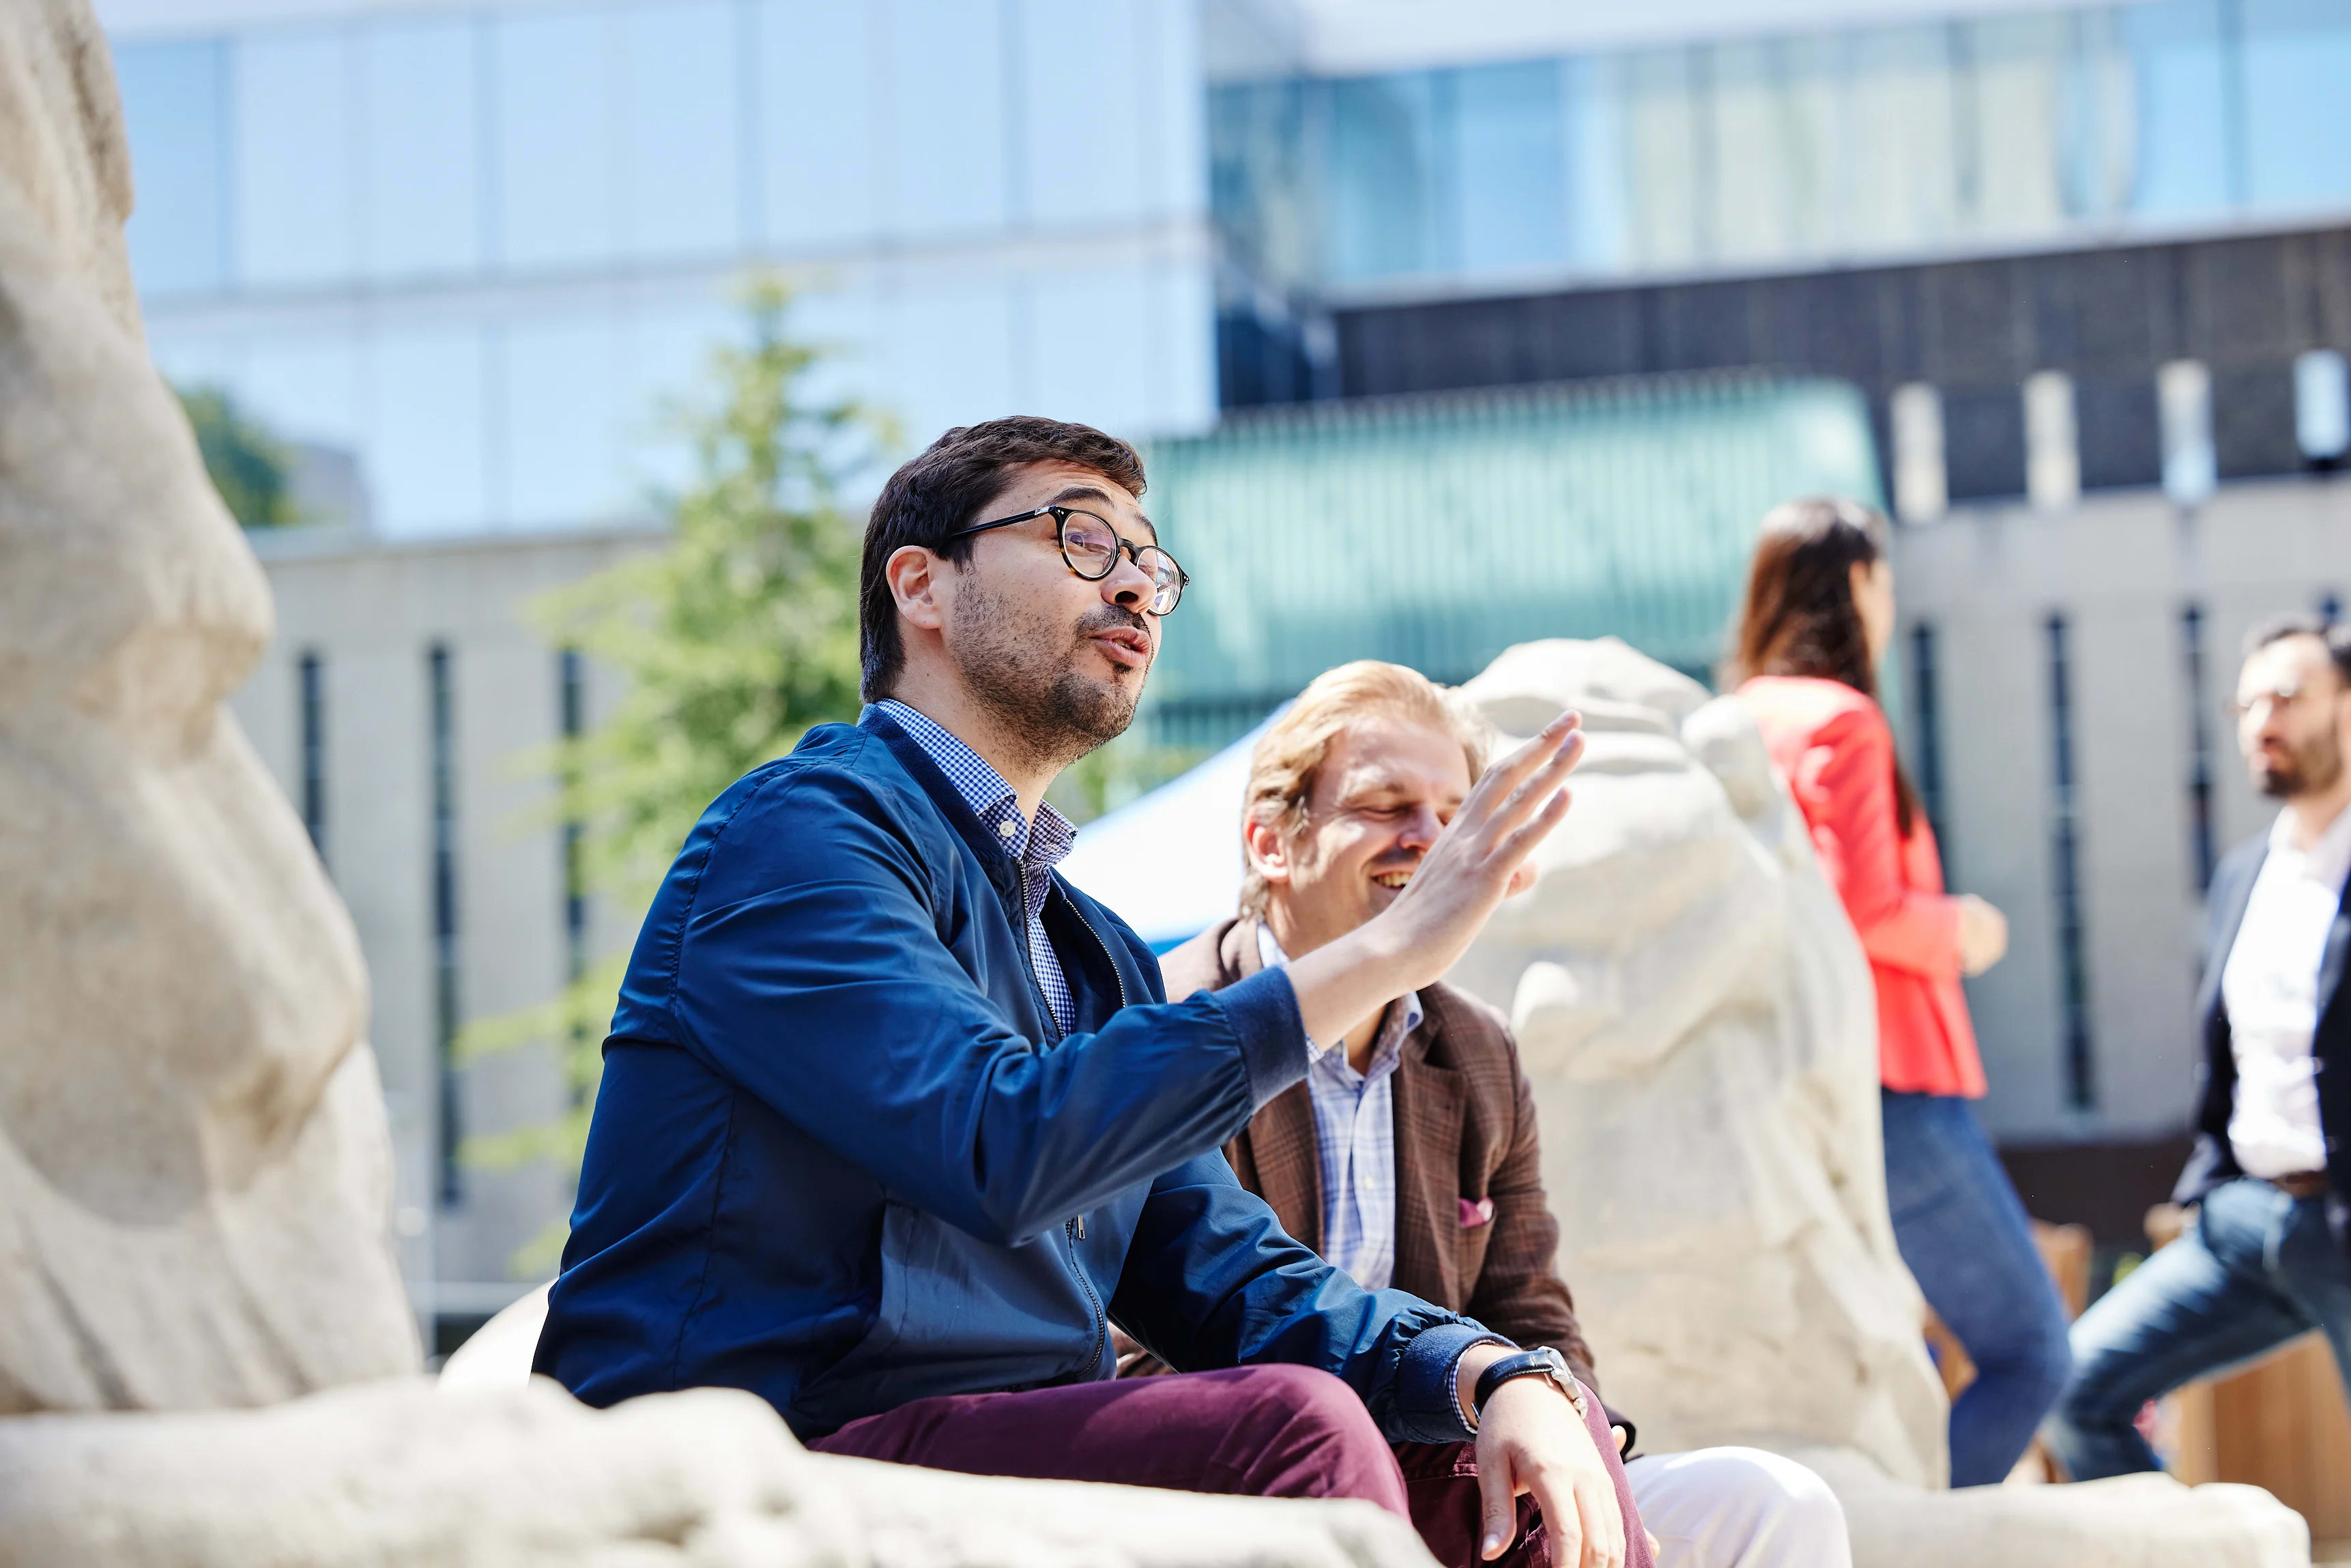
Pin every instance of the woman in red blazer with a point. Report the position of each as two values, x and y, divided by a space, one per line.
1818 613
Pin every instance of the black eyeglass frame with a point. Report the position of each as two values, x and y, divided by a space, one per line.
1127 547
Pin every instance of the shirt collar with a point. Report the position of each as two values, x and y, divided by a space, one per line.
2329 859
1045 843
1404 1018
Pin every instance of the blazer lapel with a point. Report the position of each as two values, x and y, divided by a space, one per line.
1276 1153
1429 1104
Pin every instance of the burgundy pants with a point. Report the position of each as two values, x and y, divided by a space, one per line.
1255 1431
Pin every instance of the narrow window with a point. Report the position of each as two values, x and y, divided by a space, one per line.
440 676
2183 402
2322 407
313 724
2052 447
1921 476
571 678
2200 747
2072 968
1924 698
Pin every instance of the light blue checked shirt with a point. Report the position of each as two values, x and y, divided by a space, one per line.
1354 1134
1038 846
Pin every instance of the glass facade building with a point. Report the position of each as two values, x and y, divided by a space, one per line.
1982 133
479 249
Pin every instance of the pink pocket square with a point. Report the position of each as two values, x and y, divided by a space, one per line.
1474 1215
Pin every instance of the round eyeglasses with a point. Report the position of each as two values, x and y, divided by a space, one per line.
1090 547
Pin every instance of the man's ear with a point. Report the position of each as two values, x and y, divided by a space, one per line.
913 573
1268 856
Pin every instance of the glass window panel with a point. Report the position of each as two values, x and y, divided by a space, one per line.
422 207
948 111
425 460
1083 96
1597 205
1904 185
1512 165
557 168
563 422
306 389
2095 130
1663 150
1071 377
950 359
2012 162
684 195
1182 337
173 113
667 380
1773 130
816 124
1382 197
2181 132
1174 130
296 139
2297 56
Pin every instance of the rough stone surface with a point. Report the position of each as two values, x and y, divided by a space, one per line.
395 1472
193 1154
1698 1022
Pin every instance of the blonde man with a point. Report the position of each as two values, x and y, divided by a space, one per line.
1409 1156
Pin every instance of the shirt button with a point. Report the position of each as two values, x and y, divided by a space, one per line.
1005 829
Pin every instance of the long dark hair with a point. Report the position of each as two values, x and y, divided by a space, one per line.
1798 617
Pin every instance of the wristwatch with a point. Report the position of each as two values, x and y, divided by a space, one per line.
1540 1362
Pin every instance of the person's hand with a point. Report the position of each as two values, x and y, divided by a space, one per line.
1531 1440
1480 858
1983 934
1476 861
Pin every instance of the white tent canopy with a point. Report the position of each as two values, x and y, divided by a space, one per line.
1169 865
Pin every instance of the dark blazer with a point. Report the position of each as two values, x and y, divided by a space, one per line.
2213 1161
1465 1133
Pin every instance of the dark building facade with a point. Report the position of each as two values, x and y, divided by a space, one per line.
2243 306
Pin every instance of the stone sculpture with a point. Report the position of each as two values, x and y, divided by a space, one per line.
1698 1022
205 1356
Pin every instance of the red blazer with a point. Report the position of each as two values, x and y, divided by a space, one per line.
1833 745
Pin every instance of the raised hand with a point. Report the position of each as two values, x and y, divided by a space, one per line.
1479 860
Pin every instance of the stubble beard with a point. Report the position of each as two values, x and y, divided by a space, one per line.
2311 769
1020 673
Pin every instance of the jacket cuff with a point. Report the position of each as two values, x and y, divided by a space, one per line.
1427 1407
1263 1013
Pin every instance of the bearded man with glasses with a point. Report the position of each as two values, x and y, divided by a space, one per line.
895 1124
2267 1256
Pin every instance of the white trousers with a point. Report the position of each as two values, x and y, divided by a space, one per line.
1737 1508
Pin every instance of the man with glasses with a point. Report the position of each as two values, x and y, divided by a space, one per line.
2268 1255
895 1124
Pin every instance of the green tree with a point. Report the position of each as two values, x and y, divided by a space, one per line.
730 642
249 465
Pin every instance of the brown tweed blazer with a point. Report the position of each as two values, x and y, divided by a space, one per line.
1465 1130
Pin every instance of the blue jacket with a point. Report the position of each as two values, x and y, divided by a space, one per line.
838 1157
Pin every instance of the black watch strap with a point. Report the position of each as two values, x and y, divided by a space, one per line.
1540 1362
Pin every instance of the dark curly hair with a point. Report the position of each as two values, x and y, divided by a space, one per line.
1798 617
938 492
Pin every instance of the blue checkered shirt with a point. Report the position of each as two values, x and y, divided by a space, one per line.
1354 1134
1038 846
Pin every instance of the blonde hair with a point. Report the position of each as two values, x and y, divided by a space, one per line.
1290 754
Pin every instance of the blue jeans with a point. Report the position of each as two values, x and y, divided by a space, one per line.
2254 1269
1963 1231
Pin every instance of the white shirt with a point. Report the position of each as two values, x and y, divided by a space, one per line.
1355 1135
2269 989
